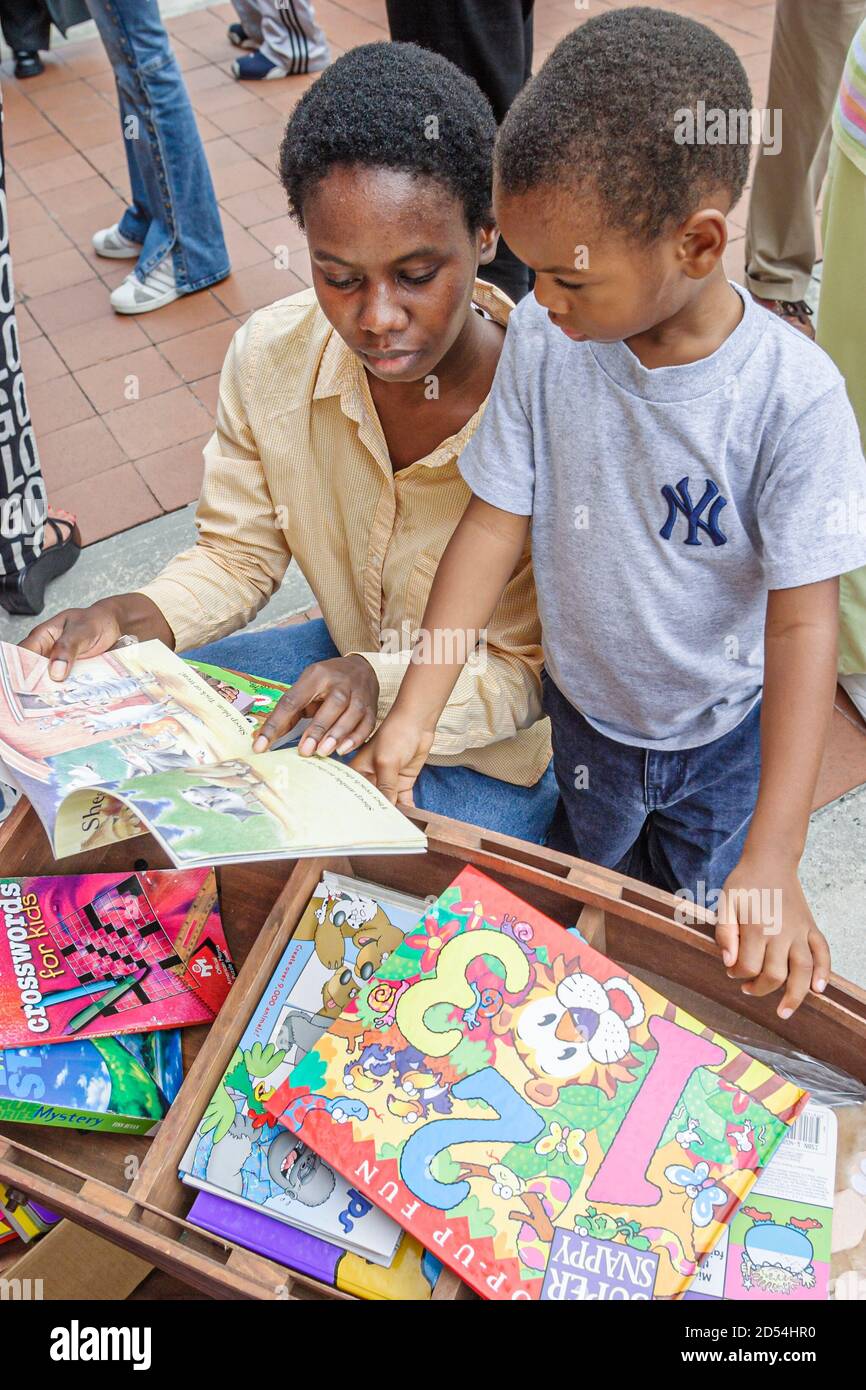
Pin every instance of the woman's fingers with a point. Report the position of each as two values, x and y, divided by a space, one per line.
774 968
332 708
351 725
74 633
284 717
42 638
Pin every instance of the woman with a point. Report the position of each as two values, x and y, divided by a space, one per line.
341 416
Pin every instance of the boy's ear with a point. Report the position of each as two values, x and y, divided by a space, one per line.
703 238
488 240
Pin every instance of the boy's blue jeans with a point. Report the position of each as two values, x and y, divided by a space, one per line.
673 819
173 206
283 653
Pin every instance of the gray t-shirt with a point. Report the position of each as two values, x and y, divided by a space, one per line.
665 503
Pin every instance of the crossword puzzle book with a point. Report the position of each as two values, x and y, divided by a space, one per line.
137 740
102 955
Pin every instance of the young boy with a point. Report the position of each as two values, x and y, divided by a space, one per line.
680 454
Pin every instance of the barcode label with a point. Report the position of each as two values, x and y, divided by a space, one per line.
809 1131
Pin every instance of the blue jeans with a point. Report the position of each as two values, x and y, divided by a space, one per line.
174 206
673 819
283 653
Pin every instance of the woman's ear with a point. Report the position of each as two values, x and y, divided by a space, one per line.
488 240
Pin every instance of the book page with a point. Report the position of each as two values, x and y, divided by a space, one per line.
132 712
250 807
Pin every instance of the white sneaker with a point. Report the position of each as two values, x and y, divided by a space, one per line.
157 289
111 242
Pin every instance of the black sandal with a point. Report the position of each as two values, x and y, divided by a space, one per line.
24 591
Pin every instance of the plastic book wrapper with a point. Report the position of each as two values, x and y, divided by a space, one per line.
546 1124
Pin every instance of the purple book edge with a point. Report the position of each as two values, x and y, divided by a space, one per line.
298 1250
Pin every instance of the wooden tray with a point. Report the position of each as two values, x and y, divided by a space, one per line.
126 1190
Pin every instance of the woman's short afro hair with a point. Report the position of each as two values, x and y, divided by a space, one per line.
602 114
393 106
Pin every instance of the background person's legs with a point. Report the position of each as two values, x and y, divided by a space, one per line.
810 43
842 333
26 25
174 209
491 40
287 33
250 15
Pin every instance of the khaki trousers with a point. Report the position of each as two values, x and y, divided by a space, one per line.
810 43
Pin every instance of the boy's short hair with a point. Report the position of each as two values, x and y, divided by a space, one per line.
394 106
602 114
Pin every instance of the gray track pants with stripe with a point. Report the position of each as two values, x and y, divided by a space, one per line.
286 32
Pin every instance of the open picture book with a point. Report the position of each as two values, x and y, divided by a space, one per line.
137 740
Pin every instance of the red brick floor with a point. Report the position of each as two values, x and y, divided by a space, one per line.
122 406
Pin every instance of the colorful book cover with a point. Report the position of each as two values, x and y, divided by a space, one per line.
521 1112
347 930
411 1275
777 1247
253 698
100 955
139 711
27 1219
137 740
114 1085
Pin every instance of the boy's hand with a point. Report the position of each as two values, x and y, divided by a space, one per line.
768 935
393 758
340 697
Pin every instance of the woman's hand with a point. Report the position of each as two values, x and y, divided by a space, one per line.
340 697
83 632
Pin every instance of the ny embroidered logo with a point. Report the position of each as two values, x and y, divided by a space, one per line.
680 500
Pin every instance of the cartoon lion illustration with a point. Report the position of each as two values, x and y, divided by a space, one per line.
573 1028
